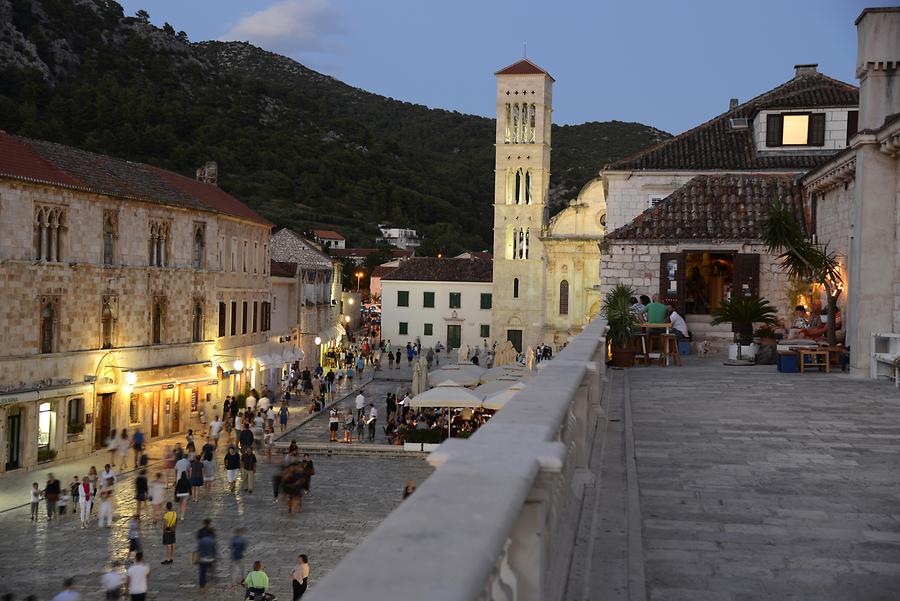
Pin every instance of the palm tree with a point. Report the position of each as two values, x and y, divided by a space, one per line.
801 258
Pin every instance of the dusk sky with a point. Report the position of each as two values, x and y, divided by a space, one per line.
668 64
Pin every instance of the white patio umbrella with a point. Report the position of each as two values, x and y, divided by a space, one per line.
461 375
454 397
499 399
503 371
419 379
494 386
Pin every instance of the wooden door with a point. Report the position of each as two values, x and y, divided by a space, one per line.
154 415
454 336
671 280
176 412
515 336
13 436
746 275
102 419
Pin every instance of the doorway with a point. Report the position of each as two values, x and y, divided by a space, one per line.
454 336
102 419
13 439
515 336
154 415
696 282
176 412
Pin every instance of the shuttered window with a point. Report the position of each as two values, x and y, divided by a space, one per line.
795 129
852 124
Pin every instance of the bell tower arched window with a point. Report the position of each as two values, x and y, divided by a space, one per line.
515 287
109 239
564 297
197 324
49 333
199 244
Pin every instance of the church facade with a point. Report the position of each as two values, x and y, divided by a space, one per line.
546 272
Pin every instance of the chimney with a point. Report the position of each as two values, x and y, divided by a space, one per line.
732 104
878 65
208 173
801 70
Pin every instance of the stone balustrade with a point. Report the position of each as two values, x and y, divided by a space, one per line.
497 518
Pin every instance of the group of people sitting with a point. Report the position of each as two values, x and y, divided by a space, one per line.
814 325
652 311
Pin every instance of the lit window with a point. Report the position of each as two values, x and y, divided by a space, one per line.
796 129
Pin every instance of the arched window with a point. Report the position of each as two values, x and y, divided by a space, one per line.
528 187
106 325
198 248
527 236
533 119
506 136
197 330
156 320
564 297
48 326
515 287
516 123
109 237
48 233
518 189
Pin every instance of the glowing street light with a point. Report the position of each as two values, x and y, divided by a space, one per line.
318 340
359 276
130 378
238 365
347 318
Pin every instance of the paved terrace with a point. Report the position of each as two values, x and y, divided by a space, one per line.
699 483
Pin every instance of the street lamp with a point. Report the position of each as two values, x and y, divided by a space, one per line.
359 276
238 365
347 319
318 340
130 378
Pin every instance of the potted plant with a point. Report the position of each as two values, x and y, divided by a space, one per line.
766 335
621 321
742 313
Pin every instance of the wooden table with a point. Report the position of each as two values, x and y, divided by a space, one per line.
646 327
818 355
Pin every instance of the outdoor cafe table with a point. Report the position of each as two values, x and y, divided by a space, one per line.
647 327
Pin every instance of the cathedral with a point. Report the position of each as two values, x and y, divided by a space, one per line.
546 282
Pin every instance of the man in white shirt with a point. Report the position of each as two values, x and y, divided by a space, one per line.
181 466
373 417
678 324
136 577
215 429
250 404
112 581
68 593
107 474
360 406
264 403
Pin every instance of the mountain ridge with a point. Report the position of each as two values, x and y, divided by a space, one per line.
303 148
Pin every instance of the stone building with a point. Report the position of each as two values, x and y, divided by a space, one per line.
855 198
313 310
690 206
437 300
546 282
329 238
127 299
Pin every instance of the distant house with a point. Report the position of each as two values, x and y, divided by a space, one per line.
358 255
400 237
438 300
378 273
329 239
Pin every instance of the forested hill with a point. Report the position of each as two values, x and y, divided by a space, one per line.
302 148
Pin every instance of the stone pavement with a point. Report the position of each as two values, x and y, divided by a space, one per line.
758 485
350 496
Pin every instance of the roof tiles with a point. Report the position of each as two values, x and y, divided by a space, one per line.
720 207
428 269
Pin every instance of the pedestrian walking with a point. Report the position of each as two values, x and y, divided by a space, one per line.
123 444
169 465
137 578
257 582
215 430
360 427
51 495
35 500
183 492
300 576
373 419
397 358
182 466
269 442
75 491
85 501
209 472
390 360
360 405
238 547
134 535
248 470
283 416
62 506
111 582
196 478
206 554
170 522
333 421
157 496
246 437
310 469
106 503
68 593
232 466
141 491
137 443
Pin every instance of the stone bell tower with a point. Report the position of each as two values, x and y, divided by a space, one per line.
521 184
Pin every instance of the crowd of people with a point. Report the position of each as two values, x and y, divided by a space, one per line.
652 311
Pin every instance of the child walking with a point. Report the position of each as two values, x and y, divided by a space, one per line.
35 500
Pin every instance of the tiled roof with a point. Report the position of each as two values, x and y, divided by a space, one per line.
428 269
284 269
59 165
381 271
714 207
715 145
327 235
289 246
522 67
344 253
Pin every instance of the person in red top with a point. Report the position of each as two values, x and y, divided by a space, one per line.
84 501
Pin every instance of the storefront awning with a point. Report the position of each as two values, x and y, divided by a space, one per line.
333 333
25 396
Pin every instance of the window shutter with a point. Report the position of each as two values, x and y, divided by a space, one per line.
671 281
746 275
774 126
816 134
852 124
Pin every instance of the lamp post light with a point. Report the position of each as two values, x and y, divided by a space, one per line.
130 378
359 276
318 340
238 365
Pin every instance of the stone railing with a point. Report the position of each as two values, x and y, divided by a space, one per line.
497 518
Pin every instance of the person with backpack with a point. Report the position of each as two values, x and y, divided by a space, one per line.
257 582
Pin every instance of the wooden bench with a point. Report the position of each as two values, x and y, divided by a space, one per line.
817 358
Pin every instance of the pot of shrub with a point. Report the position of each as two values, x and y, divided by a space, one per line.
742 313
766 335
621 321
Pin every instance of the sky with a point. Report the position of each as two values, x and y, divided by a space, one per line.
667 63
